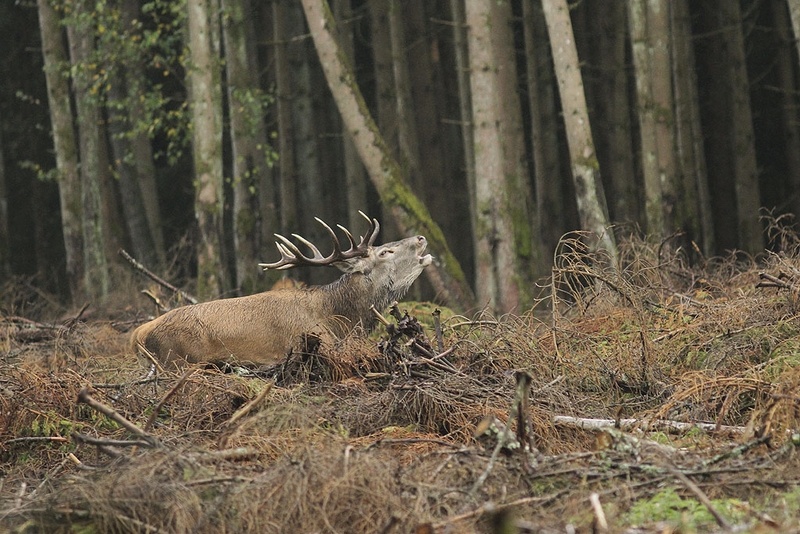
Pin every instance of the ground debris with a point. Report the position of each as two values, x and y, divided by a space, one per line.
658 396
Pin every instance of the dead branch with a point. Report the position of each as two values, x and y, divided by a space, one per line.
160 281
701 496
165 398
642 424
114 415
102 442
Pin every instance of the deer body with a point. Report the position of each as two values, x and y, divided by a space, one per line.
261 328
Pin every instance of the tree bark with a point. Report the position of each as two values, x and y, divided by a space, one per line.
550 202
248 145
80 37
5 244
789 102
66 148
205 104
649 30
354 172
585 167
748 199
409 213
694 210
504 254
286 167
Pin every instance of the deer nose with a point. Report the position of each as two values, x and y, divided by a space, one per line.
421 240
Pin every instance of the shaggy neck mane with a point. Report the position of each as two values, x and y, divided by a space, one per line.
352 296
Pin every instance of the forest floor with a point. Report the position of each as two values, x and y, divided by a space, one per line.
662 396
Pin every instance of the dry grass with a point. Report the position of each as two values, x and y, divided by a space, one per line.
380 437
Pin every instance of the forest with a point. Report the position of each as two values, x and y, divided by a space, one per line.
188 132
605 331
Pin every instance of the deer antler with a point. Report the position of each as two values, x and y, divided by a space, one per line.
291 256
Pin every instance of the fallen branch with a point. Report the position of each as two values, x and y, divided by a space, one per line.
115 416
642 424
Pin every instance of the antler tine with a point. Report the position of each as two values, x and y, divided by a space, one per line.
350 237
374 228
288 257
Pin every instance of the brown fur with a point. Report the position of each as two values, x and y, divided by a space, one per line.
260 328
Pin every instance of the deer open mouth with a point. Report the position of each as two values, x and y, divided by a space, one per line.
426 259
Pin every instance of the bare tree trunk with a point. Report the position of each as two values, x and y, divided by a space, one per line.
132 203
503 244
748 201
550 204
283 92
205 104
695 213
585 168
409 213
248 144
465 102
355 174
5 245
650 41
407 134
66 148
140 146
789 102
88 116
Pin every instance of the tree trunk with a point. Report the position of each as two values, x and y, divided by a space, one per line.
550 204
409 213
283 93
465 102
504 255
789 118
96 283
141 149
5 244
650 41
748 200
355 174
248 143
132 203
694 210
205 104
585 168
66 149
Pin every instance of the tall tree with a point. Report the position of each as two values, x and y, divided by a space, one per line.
205 103
789 118
66 147
5 244
249 145
694 209
504 251
748 198
80 35
355 174
287 171
550 202
650 41
583 158
409 213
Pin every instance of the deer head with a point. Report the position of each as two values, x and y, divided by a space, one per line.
261 328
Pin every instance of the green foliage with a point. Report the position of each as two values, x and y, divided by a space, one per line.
689 514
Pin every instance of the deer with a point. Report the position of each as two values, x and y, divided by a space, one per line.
263 328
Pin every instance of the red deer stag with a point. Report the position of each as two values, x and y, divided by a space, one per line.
261 328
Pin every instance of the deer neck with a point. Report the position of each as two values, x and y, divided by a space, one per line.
352 297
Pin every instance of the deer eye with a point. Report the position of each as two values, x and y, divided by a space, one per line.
385 252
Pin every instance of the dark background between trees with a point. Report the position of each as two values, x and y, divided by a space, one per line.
189 131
